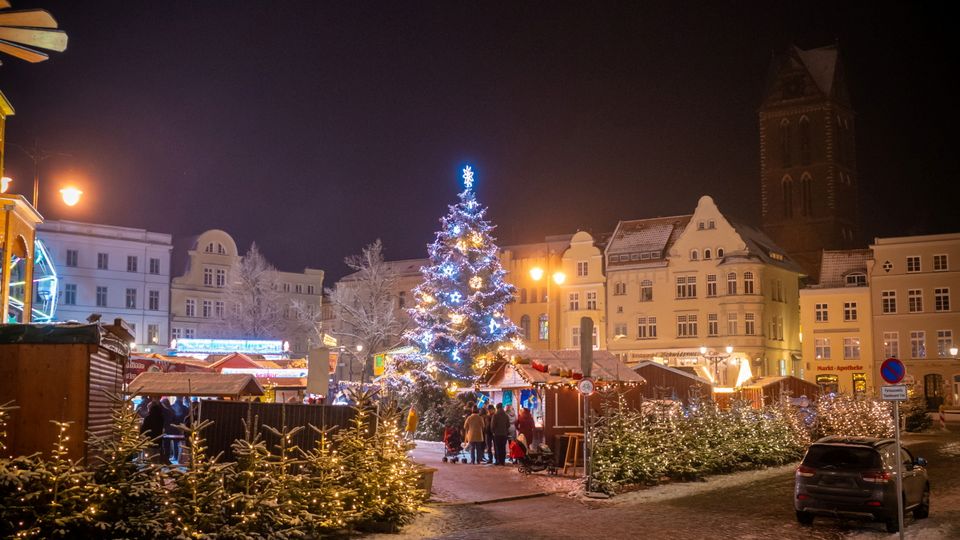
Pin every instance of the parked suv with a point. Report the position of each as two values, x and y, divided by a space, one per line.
856 477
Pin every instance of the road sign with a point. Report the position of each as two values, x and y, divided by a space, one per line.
585 386
892 370
894 392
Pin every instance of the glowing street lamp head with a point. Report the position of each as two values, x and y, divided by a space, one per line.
729 349
703 350
559 278
536 273
954 351
5 183
71 195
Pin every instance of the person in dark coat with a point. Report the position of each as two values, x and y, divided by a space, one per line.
500 426
169 447
525 424
152 425
487 433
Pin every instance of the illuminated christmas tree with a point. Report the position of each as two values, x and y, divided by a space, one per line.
459 313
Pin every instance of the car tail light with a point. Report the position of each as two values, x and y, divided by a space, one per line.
802 497
874 503
805 472
876 477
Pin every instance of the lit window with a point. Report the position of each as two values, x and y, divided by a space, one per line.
543 327
851 348
646 291
944 342
918 344
821 348
891 344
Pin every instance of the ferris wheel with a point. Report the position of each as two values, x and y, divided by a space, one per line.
45 283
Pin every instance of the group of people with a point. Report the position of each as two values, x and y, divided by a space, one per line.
160 418
487 430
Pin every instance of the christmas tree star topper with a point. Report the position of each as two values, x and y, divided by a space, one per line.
468 177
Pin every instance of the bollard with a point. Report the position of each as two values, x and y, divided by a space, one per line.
943 419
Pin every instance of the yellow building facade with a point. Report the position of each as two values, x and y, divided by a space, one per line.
582 293
836 319
702 292
915 317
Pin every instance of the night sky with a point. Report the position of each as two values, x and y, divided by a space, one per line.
315 127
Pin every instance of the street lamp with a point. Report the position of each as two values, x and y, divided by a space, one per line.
954 351
536 274
714 358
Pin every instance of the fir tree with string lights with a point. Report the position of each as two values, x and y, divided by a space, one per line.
459 314
196 506
251 487
326 481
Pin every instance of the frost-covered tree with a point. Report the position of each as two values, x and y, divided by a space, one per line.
365 304
253 296
459 314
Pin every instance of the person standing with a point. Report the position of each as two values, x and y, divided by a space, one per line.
488 433
525 425
512 415
152 426
500 426
473 431
412 420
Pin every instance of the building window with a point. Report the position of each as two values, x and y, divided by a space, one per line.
711 285
941 299
888 301
619 288
944 342
582 268
153 334
131 299
72 257
646 291
918 344
154 266
694 255
749 324
915 300
707 254
525 327
713 325
851 348
821 348
787 186
805 141
220 249
701 226
849 311
402 299
218 309
543 327
103 261
711 224
574 301
191 307
856 279
822 314
591 300
176 333
687 287
189 333
748 283
523 296
70 294
806 195
153 300
731 324
221 278
620 330
298 288
785 144
543 294
646 327
575 336
719 253
286 287
208 277
732 283
209 248
913 264
940 263
132 263
101 297
205 309
133 332
891 344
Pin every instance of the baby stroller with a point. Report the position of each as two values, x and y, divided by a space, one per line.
531 460
453 445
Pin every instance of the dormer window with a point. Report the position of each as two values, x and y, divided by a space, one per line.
719 253
706 254
700 226
694 255
711 224
856 279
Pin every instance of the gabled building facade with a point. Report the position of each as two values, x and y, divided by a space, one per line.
701 292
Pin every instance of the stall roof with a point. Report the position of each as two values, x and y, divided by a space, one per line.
111 336
606 367
196 384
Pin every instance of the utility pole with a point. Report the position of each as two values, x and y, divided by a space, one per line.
37 155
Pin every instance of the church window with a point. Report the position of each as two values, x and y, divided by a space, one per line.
805 152
806 196
785 143
787 196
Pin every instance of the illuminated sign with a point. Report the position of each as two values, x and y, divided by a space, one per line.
226 346
265 373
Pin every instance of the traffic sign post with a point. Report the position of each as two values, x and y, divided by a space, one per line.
893 371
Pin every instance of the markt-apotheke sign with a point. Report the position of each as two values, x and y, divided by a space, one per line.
848 367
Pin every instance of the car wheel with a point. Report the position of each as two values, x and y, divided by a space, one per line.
923 509
804 518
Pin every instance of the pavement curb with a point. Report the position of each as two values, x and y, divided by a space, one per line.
497 500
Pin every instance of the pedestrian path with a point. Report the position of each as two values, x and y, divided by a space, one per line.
464 483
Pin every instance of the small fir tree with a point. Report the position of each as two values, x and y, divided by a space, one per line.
293 493
914 412
326 479
400 494
197 503
354 443
251 488
459 315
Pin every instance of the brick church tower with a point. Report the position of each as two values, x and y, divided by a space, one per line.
808 170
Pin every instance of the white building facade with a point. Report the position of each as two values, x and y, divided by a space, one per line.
118 272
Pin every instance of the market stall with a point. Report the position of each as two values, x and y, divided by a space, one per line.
215 385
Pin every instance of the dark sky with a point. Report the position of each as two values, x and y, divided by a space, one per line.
316 127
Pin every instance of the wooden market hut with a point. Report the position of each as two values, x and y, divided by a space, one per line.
769 390
666 382
546 382
211 385
60 372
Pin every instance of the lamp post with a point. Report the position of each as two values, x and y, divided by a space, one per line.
712 356
36 154
536 274
363 366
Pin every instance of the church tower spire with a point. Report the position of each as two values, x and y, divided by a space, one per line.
808 170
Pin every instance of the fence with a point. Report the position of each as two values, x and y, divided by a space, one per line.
228 416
